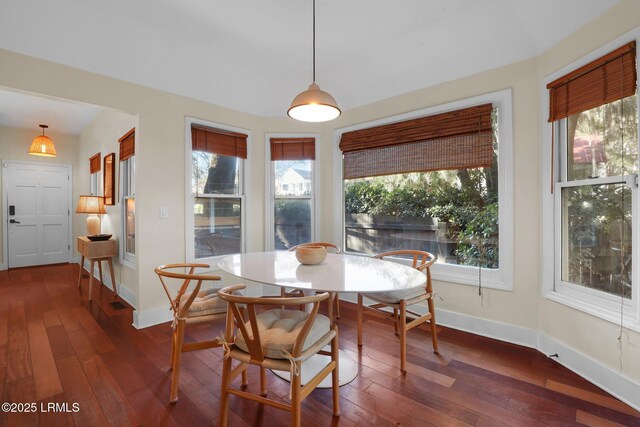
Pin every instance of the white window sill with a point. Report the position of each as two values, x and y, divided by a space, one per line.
630 319
463 275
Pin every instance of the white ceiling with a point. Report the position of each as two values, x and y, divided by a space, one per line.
255 55
26 111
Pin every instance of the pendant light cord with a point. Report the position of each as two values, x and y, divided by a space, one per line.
314 41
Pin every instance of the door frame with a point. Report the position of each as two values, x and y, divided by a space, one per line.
4 264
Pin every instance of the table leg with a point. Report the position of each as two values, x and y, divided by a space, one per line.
81 268
91 278
100 272
113 280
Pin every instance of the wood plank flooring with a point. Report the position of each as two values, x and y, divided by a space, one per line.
57 348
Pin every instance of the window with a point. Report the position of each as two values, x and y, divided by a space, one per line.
434 180
128 180
594 116
292 195
216 188
94 171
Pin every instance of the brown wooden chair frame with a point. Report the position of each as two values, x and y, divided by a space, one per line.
242 317
421 261
180 316
334 296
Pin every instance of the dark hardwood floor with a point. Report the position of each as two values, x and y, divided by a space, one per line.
56 347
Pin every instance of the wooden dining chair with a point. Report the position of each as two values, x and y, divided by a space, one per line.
334 296
276 339
400 300
189 307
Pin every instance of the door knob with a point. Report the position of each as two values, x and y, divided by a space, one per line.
13 221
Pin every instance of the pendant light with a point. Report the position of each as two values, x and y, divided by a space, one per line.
314 105
42 145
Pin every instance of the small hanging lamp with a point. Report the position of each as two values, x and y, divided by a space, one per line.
42 145
314 105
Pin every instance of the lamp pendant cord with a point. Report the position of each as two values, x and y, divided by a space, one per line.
314 41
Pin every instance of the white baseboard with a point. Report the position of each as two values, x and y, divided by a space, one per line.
155 316
123 292
3 266
612 381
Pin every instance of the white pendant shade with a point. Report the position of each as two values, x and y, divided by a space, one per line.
314 105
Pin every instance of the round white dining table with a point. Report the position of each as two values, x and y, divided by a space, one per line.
337 273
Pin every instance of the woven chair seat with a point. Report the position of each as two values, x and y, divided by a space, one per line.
279 329
393 297
205 303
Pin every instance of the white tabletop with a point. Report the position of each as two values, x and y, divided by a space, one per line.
337 273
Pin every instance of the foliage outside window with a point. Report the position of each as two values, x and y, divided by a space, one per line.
600 158
450 213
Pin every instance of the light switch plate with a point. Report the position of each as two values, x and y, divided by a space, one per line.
164 212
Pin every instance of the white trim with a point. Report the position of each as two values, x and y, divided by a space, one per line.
570 296
5 208
155 316
244 196
610 380
123 292
269 242
501 278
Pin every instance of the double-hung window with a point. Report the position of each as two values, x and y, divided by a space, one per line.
292 191
128 180
594 118
94 173
437 180
217 195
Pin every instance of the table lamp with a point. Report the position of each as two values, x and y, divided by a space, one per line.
94 206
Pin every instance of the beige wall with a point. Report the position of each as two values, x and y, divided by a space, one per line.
160 161
585 333
14 145
101 136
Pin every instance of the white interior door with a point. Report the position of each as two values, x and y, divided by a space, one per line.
38 214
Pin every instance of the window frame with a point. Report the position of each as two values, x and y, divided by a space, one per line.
269 225
593 302
501 278
244 175
127 191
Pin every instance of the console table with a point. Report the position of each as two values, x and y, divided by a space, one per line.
97 251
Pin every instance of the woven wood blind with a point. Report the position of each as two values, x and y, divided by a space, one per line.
607 79
218 141
94 163
455 140
293 149
128 145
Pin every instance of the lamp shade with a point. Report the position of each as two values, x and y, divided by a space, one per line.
42 145
91 205
314 105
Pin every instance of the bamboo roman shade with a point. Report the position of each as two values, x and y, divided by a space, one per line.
94 163
128 145
218 141
293 149
604 80
458 139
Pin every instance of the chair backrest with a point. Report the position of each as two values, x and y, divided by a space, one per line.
164 274
325 245
243 311
421 260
